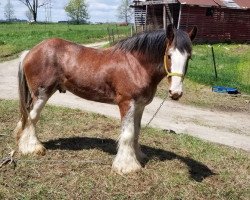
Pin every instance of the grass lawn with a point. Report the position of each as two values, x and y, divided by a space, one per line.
233 66
81 147
16 37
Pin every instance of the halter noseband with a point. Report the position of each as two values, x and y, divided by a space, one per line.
169 74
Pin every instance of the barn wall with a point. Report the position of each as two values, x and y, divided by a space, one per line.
155 17
225 25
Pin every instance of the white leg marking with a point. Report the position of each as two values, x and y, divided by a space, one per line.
28 142
35 112
126 160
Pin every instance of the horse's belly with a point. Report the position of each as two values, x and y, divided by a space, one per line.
102 94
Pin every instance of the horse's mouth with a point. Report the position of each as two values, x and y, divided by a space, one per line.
175 96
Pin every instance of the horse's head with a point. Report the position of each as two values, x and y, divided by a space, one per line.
178 52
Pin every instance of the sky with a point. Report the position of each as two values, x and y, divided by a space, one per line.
99 10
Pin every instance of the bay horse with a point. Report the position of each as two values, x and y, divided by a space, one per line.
126 74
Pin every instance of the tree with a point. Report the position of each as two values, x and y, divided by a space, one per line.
29 15
77 10
124 11
9 11
33 6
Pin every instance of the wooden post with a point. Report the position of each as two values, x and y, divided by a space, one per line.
146 16
117 32
179 19
113 35
109 36
164 17
143 26
215 70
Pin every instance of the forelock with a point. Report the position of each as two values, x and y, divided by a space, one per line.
182 41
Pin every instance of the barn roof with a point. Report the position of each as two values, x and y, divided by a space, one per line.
199 2
243 3
240 4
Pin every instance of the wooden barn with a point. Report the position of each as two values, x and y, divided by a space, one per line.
217 20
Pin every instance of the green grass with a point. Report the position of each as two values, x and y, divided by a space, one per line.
16 37
233 66
81 147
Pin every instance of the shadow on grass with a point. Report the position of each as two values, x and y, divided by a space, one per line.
197 170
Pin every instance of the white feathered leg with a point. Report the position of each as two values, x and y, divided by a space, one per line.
27 141
126 159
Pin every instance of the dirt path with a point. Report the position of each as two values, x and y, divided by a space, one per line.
232 129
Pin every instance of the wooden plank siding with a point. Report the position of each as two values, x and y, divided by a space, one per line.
155 17
226 25
216 23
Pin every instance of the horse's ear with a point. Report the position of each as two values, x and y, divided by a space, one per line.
193 33
170 32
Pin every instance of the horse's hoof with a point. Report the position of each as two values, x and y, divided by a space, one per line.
37 149
40 150
124 167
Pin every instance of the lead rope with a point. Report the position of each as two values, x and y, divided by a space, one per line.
164 99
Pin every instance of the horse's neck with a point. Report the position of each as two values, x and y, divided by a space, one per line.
154 67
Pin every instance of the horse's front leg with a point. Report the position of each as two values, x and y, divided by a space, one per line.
126 159
138 116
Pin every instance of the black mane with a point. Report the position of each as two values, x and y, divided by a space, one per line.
153 44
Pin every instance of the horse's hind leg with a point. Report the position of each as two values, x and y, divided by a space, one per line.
26 138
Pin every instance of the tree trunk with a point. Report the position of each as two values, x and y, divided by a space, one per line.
34 16
35 4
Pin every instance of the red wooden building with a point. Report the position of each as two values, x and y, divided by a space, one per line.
217 20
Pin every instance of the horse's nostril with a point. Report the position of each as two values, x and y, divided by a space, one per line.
175 95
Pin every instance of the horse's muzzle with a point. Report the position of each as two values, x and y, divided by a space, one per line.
175 95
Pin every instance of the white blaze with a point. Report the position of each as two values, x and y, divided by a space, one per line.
179 61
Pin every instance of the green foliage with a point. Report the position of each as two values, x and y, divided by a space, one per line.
77 11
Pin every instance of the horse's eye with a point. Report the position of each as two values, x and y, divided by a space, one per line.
169 57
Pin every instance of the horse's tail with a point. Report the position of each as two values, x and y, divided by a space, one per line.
25 99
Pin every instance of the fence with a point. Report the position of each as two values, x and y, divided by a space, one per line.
116 33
